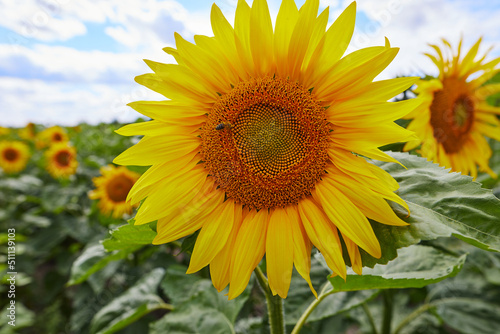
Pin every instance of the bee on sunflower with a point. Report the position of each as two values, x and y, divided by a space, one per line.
282 177
455 118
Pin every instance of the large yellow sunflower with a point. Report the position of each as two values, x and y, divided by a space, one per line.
61 160
14 156
454 117
52 135
112 190
255 145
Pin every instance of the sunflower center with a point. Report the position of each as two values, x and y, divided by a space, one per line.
268 139
266 142
118 188
57 137
63 158
10 154
452 115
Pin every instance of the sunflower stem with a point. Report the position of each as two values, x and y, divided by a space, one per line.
370 318
275 308
388 310
424 308
303 318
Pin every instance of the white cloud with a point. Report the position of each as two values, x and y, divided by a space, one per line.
58 63
23 101
412 24
58 84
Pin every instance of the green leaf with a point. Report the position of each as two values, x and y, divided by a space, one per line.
91 260
300 296
415 267
441 203
133 304
129 236
467 315
199 308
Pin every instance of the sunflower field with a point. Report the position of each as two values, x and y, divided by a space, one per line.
266 196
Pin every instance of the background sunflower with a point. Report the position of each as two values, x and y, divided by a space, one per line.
50 136
455 117
61 160
14 156
112 189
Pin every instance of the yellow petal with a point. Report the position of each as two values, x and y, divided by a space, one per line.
242 36
182 79
347 217
371 204
221 264
285 21
224 34
157 128
354 255
323 234
332 46
213 236
349 113
301 246
353 80
168 111
301 36
316 37
156 176
279 252
261 37
183 221
176 194
153 150
249 249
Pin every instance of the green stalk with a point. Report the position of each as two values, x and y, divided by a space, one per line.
388 310
425 308
370 318
275 308
312 306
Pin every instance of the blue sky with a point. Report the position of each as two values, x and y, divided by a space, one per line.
70 61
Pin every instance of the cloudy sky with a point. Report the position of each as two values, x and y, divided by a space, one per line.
71 61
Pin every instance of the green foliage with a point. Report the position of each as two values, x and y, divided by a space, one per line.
415 267
80 271
129 237
133 304
441 204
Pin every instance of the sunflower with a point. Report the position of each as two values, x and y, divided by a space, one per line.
14 156
112 190
61 160
28 132
52 135
4 131
454 118
255 145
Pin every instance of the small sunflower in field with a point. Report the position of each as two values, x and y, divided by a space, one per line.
50 136
61 160
4 131
112 189
14 156
255 145
455 118
28 132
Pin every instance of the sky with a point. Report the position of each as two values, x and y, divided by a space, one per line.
70 61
